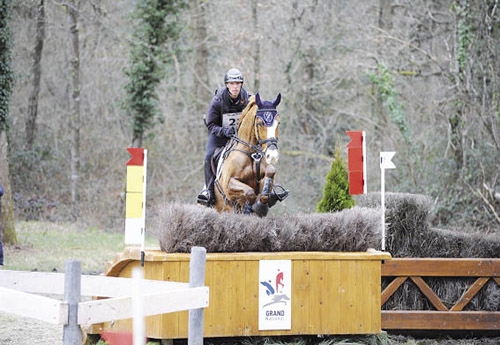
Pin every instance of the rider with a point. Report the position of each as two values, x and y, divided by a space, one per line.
225 107
228 101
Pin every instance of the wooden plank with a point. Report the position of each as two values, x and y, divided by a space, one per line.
183 321
440 320
347 288
133 253
441 267
33 306
236 297
335 291
391 289
427 291
219 296
252 293
316 296
469 294
369 296
331 298
121 308
53 283
301 296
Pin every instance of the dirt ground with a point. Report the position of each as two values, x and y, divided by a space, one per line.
16 330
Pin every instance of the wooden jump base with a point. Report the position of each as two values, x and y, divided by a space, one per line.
443 317
332 293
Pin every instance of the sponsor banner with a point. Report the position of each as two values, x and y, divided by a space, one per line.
275 294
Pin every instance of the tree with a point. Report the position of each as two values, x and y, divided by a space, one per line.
200 81
155 24
36 71
6 84
336 195
72 8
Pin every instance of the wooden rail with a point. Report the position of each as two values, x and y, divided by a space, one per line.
442 317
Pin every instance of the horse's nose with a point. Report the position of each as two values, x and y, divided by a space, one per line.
272 156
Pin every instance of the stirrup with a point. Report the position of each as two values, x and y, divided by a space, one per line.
274 197
205 198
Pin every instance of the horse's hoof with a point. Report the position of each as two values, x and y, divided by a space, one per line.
260 209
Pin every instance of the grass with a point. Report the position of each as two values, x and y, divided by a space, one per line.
45 247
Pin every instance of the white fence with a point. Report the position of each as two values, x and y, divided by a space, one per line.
19 295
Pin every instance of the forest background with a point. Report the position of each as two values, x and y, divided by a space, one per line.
421 77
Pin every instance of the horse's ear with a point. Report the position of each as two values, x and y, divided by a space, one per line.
257 100
277 100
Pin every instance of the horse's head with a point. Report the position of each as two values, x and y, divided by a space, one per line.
267 121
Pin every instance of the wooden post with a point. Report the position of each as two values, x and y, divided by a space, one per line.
72 335
196 279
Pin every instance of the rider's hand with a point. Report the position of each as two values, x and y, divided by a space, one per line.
229 131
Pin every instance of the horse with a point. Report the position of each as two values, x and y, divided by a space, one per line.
246 168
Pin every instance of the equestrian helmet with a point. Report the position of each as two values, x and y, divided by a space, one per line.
233 75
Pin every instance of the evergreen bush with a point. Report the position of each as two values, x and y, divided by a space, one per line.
336 195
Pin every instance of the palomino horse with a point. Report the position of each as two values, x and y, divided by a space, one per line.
245 175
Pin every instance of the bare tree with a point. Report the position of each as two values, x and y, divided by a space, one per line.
198 14
36 71
73 8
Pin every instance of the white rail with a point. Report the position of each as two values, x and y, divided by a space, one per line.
18 295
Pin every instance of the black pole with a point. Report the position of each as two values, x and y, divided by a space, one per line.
1 247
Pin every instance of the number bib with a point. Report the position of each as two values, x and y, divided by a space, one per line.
230 119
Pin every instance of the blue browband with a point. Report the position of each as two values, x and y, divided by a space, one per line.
267 115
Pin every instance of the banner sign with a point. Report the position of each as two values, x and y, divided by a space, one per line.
275 294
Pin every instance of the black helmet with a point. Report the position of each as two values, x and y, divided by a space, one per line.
233 75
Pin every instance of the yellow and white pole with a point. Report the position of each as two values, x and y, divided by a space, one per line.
135 206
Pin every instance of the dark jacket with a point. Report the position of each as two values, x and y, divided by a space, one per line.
222 103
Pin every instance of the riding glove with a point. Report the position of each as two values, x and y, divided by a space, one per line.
229 131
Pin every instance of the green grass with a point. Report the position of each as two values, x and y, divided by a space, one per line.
46 247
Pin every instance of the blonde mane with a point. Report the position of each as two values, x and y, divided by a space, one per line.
251 109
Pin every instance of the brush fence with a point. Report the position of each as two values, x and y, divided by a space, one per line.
330 293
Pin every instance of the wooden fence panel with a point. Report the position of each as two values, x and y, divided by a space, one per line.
417 270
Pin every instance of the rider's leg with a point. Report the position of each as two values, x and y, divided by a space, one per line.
207 196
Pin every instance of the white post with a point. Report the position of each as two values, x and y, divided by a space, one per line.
385 163
143 229
72 334
196 279
139 323
382 204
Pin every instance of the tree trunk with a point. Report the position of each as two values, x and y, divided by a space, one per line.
198 14
7 213
75 105
256 54
36 71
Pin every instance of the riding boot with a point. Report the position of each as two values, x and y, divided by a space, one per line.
207 195
274 197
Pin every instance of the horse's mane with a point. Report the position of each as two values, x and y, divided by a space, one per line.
251 109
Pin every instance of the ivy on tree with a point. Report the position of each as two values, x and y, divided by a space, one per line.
155 24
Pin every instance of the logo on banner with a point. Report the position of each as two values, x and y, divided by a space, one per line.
275 294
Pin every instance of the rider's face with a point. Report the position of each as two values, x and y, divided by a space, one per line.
234 88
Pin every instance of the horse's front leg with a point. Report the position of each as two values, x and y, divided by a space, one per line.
241 192
261 207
